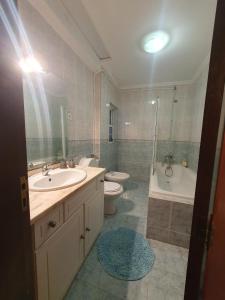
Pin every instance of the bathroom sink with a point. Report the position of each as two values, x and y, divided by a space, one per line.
56 179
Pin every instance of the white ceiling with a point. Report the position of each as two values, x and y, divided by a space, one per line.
121 24
79 15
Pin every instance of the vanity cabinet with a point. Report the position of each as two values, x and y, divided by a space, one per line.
94 210
60 254
59 259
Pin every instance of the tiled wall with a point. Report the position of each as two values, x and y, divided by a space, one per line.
179 124
136 128
49 149
180 150
58 59
108 150
169 222
134 157
77 148
109 155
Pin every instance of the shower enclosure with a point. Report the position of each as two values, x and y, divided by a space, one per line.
172 183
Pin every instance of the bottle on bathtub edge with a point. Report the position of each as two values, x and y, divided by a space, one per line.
184 163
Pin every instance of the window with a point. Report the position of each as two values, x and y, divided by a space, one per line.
110 125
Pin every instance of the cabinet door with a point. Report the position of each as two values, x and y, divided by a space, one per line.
94 215
59 259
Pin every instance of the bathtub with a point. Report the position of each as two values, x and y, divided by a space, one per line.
180 187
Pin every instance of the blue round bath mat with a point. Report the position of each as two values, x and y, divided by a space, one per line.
125 254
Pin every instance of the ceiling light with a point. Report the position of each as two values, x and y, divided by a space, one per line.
155 41
30 65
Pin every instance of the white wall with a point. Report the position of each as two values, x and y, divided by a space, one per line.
58 58
109 94
135 108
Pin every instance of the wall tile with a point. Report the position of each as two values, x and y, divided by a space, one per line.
79 148
179 239
134 157
156 233
181 218
108 155
159 213
169 222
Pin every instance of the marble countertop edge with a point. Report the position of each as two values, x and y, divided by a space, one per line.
42 202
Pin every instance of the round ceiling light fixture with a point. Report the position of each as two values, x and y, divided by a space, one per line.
155 41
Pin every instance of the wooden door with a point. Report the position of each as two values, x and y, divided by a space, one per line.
215 264
94 215
59 259
210 128
16 263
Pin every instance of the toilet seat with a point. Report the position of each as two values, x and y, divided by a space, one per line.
116 176
111 186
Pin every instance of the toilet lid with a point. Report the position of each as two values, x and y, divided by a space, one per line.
111 186
118 175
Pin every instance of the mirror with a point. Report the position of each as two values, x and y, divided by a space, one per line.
45 102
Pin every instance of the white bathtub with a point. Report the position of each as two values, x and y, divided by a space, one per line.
179 188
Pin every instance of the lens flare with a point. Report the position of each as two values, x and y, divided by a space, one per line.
30 65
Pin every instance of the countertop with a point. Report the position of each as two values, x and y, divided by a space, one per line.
42 202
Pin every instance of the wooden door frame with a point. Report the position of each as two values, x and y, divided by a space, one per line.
212 267
211 119
17 263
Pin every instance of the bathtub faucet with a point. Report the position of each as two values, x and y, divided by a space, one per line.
168 159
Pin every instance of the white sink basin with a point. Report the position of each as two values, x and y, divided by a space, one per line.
57 179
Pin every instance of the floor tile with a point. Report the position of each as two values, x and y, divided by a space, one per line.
82 290
165 281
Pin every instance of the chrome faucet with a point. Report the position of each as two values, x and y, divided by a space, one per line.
45 170
169 159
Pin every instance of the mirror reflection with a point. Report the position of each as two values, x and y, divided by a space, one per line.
45 102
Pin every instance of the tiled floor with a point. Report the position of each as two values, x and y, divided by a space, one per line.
166 280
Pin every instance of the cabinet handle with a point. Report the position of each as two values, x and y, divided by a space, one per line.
52 224
88 229
102 180
82 237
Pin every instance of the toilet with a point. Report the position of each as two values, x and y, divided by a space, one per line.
112 189
118 177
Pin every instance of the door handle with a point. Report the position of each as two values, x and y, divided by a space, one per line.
82 237
24 193
88 229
